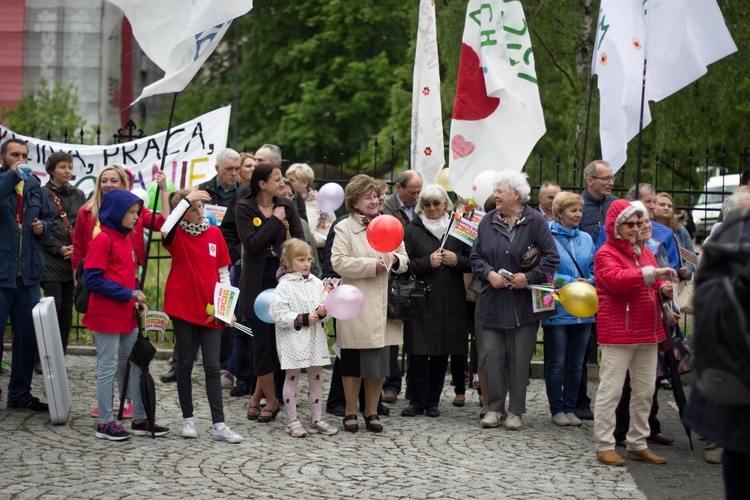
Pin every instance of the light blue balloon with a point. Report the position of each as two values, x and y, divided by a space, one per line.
262 306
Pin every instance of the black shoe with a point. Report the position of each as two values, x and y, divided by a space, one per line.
143 428
412 411
373 427
339 411
33 404
432 412
660 438
170 376
351 427
269 415
383 410
239 390
584 413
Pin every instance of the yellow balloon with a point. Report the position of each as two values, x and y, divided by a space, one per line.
579 299
443 179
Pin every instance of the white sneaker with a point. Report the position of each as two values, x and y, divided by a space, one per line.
188 429
492 419
561 419
323 428
227 380
295 429
573 419
513 422
224 433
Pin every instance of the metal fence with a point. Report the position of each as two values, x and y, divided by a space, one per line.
684 176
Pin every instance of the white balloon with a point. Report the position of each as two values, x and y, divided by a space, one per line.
142 194
330 197
483 186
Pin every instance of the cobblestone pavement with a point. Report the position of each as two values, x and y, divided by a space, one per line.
446 457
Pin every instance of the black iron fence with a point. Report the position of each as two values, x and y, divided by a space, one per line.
684 176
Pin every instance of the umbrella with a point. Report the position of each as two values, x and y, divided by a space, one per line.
142 354
679 392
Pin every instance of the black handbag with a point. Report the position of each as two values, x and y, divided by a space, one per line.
407 298
80 292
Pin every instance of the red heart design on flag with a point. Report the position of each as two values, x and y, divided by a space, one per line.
461 147
472 102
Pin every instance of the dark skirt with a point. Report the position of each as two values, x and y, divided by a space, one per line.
369 363
263 342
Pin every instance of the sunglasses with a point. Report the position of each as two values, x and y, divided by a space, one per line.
428 204
631 225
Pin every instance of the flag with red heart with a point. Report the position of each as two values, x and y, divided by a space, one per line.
497 113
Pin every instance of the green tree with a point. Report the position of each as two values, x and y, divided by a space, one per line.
45 108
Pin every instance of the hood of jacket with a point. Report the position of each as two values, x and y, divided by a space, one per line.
618 213
115 205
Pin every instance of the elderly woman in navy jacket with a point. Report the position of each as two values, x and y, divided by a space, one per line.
509 324
566 336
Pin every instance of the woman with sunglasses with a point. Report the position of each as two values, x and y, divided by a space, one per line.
443 329
630 288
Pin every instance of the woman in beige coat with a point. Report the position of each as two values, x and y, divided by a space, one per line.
365 340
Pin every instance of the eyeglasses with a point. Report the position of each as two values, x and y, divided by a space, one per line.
428 204
608 178
631 225
499 191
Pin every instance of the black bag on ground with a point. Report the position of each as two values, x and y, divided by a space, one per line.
407 297
721 347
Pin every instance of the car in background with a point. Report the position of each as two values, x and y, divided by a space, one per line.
706 210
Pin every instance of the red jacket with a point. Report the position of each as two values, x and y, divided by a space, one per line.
629 308
84 233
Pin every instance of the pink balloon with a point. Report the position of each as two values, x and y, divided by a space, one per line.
330 197
345 302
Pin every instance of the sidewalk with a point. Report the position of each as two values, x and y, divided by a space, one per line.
447 457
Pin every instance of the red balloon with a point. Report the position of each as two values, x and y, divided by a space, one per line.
385 233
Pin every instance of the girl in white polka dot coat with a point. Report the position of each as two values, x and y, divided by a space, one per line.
301 342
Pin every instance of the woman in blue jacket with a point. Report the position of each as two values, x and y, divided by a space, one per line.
566 336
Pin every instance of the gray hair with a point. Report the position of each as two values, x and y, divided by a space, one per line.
517 181
631 196
275 151
226 154
590 170
547 184
406 176
433 192
734 203
303 172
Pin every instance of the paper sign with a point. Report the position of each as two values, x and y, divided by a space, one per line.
217 211
156 321
322 227
538 300
466 229
688 257
225 301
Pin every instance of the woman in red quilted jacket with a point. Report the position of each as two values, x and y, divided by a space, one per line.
629 325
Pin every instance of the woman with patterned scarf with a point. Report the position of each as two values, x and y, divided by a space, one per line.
200 259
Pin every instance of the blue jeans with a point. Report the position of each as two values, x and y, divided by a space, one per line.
18 303
109 347
565 346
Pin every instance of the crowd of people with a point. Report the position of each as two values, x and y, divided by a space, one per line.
273 235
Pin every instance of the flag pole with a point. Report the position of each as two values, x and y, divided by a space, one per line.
640 134
157 195
586 130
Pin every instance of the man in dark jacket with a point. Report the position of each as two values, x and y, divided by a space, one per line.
25 221
224 185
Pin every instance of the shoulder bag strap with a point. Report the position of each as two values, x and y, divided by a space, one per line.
571 256
64 217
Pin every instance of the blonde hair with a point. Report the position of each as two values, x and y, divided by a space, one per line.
291 249
359 185
96 199
302 172
563 201
176 197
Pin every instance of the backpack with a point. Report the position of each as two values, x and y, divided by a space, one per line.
722 314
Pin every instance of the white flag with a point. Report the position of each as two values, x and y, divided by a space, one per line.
497 114
677 38
427 155
618 62
684 36
179 35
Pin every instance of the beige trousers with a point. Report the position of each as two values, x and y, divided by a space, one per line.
640 359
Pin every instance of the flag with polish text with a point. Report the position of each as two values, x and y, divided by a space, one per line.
179 35
497 113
